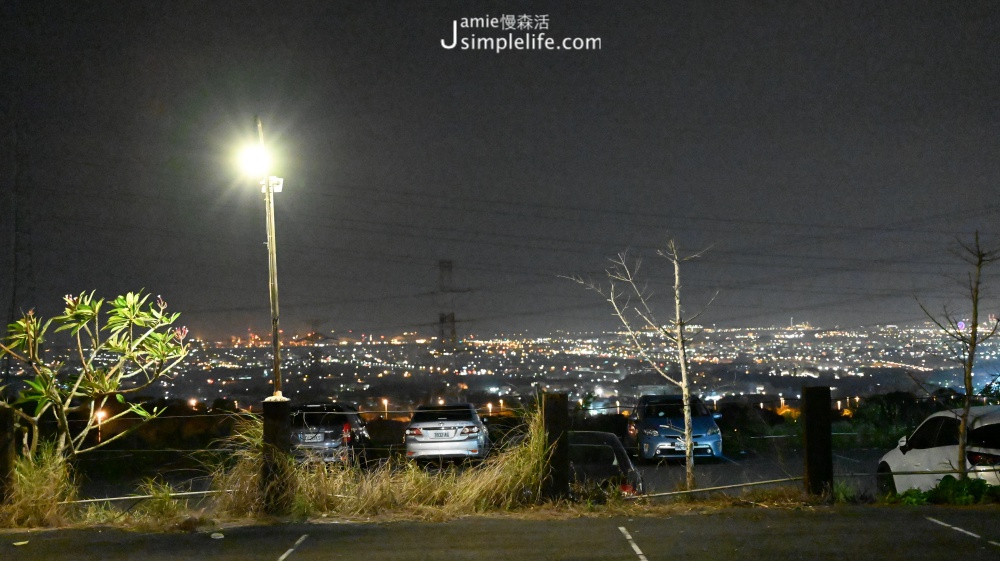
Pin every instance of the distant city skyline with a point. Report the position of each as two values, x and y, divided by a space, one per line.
827 155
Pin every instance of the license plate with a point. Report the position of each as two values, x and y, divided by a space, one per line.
440 435
312 437
679 446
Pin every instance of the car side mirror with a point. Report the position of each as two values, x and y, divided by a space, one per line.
903 446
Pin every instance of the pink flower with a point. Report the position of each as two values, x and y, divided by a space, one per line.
181 333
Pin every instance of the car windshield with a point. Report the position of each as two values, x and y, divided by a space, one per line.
596 454
310 419
443 413
987 436
674 409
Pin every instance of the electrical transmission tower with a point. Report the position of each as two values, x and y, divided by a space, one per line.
447 335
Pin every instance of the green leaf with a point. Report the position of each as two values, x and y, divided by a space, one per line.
120 398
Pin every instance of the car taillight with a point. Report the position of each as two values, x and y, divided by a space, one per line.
632 430
470 430
982 459
347 433
627 489
413 432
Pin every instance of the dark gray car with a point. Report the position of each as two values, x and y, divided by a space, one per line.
598 460
329 432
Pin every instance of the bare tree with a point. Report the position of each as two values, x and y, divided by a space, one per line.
630 300
965 338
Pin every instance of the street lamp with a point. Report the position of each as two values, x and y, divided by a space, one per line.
100 414
277 408
385 403
257 162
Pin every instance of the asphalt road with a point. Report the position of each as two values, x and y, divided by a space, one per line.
855 533
854 467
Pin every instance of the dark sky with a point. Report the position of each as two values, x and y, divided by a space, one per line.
829 153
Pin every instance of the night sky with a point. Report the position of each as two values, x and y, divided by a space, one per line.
830 154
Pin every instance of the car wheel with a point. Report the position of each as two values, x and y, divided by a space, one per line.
884 482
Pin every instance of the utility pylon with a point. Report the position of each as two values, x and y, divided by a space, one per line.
447 335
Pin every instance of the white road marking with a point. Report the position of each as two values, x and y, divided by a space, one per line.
957 529
291 550
631 542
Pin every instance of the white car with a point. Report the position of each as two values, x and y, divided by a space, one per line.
931 452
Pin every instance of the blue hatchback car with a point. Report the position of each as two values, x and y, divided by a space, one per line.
656 429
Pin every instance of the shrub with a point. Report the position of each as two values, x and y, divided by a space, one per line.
951 491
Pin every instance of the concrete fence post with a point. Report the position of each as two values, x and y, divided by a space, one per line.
817 439
555 417
276 477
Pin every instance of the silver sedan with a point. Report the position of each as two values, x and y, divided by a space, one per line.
446 431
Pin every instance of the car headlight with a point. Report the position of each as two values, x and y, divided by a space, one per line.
712 431
651 432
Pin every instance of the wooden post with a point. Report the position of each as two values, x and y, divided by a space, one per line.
555 417
817 439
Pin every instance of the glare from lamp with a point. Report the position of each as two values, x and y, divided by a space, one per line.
255 160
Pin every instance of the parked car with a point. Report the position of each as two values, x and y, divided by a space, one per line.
331 432
656 429
446 431
925 457
598 460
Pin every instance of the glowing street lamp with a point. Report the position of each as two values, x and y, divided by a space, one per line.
100 415
257 163
385 403
501 407
490 407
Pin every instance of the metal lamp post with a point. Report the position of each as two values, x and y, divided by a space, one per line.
269 185
275 481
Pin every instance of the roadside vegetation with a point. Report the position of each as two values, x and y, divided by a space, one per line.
47 483
950 491
508 483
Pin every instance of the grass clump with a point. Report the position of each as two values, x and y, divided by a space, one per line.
41 485
160 505
157 510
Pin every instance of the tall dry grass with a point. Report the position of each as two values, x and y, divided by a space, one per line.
241 476
504 481
41 484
